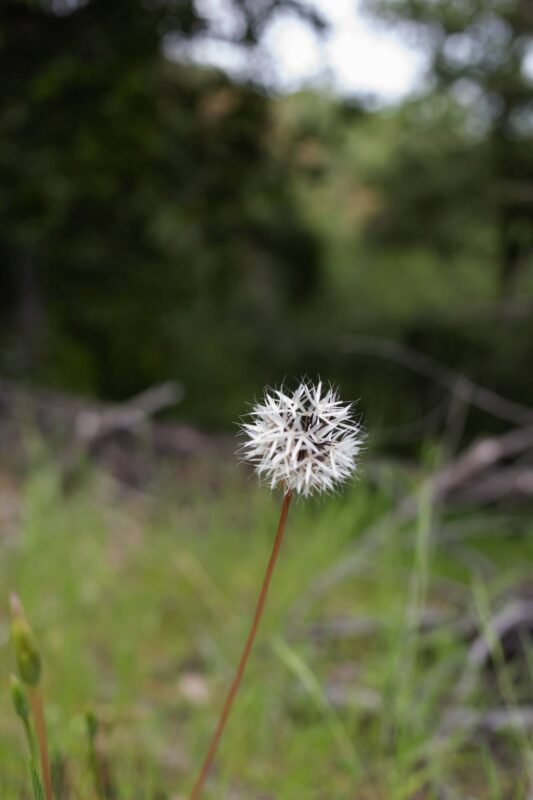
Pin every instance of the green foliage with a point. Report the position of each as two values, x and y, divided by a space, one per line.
160 221
402 200
22 709
147 227
478 56
142 608
37 786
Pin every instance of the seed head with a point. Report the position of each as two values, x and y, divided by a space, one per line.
306 440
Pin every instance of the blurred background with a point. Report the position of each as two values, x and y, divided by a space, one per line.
202 197
227 193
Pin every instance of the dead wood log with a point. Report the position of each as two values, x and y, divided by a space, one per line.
124 437
494 720
478 460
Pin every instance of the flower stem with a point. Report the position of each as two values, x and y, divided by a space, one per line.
36 702
195 794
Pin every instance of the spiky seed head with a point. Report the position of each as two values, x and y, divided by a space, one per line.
304 440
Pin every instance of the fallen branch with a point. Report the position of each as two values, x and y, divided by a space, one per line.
449 485
124 436
93 424
516 616
450 379
479 458
495 720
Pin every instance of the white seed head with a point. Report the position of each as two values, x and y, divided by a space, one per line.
305 440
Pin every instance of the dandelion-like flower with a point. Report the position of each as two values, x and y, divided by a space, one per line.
306 440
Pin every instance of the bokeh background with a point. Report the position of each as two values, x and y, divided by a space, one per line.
202 197
161 218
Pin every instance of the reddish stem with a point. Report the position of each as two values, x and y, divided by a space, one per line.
195 794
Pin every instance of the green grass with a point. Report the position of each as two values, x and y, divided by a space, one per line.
141 603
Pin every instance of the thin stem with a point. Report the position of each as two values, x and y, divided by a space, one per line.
36 702
95 769
195 794
29 736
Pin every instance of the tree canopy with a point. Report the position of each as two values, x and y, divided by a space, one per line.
139 198
479 52
160 220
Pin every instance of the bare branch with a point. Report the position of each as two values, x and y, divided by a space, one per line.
91 424
479 458
493 720
453 381
516 615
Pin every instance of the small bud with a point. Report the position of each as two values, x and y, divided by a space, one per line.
25 646
20 699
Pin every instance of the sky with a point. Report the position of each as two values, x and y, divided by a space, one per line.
358 56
